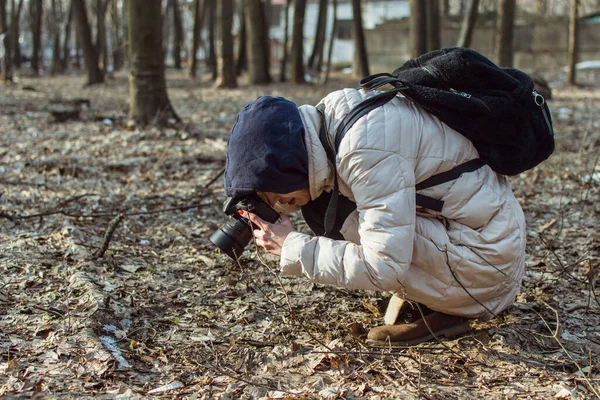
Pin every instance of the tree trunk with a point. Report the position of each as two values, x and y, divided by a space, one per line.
540 7
286 39
445 5
149 102
462 7
77 61
418 28
504 33
6 68
242 58
177 34
573 41
212 54
225 61
468 24
433 25
317 52
267 29
297 58
258 60
56 25
101 7
166 39
66 56
36 9
90 53
331 39
15 33
125 34
196 30
117 51
361 61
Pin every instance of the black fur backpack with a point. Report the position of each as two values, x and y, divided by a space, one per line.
496 108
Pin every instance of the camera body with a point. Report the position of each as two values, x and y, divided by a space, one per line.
236 233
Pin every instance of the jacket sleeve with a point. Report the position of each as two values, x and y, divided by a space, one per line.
383 186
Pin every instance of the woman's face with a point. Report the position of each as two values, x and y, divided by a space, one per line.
287 202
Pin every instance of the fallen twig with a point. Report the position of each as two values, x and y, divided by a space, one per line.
102 214
7 216
112 225
560 263
287 299
213 180
63 203
237 378
592 276
555 337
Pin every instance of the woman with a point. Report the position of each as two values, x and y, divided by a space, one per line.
462 263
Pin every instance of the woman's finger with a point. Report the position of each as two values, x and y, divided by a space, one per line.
261 223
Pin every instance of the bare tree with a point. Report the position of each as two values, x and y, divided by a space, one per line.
445 11
503 47
258 58
316 58
101 47
212 54
15 32
267 9
77 58
297 53
225 61
6 72
90 53
541 6
35 13
361 60
196 30
116 17
286 38
573 41
433 25
66 49
149 102
242 56
173 7
468 24
331 39
418 28
55 26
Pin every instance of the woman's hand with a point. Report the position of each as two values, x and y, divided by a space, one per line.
271 236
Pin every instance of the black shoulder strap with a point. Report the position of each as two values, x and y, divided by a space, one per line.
363 108
443 177
330 213
350 119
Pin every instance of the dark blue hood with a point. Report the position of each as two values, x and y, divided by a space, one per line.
266 150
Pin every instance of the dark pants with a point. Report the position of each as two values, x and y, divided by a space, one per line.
314 214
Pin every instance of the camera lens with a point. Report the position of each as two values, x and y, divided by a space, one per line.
231 238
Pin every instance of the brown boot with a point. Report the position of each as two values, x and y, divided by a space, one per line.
442 325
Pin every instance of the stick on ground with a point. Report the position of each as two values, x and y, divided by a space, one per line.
112 225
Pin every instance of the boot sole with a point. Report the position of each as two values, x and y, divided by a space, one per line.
448 333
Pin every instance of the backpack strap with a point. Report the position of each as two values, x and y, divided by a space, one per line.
349 120
330 213
443 177
373 82
363 108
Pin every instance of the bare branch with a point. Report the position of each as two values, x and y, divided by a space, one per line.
109 233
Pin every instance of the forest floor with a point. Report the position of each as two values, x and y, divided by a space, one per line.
162 314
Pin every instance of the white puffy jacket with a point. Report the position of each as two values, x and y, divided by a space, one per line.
467 260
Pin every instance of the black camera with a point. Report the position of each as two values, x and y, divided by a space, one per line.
237 232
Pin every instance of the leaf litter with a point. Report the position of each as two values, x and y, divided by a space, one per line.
161 313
